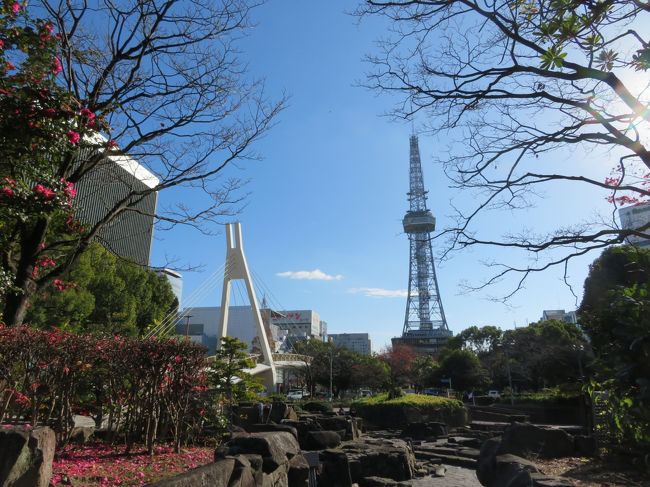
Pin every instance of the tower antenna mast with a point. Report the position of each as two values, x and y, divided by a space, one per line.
425 326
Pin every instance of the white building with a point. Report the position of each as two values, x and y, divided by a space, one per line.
357 342
560 315
283 328
634 217
176 282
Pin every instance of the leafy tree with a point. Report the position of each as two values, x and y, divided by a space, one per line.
544 354
510 83
399 359
464 369
323 354
369 372
227 377
424 372
108 294
164 85
481 341
615 312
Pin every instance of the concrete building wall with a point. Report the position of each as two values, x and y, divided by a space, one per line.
633 217
357 342
129 234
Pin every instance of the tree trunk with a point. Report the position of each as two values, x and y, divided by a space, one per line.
15 308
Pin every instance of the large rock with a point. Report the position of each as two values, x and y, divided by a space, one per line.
321 440
280 411
275 448
259 428
339 423
424 431
26 457
513 471
298 472
527 440
213 474
392 459
486 465
335 469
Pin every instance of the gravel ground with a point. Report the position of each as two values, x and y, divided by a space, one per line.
593 472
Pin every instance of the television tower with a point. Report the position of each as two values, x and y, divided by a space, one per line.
425 326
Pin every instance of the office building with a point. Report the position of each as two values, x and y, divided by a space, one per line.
130 233
283 328
175 279
633 218
357 342
560 315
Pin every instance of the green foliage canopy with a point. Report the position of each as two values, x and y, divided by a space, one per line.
106 294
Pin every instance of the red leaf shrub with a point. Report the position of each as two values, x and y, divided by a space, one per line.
142 387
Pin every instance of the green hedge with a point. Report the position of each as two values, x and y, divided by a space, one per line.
410 408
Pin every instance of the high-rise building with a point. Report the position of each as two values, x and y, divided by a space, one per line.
175 280
425 326
130 233
560 315
634 218
357 342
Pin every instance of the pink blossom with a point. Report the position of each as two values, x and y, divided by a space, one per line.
15 8
49 112
49 27
112 144
2 43
7 191
85 112
68 189
44 191
73 137
57 66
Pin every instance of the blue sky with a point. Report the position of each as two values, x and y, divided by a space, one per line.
330 192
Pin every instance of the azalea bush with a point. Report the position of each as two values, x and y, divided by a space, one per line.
146 390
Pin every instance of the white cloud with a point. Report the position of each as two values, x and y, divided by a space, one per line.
315 275
376 292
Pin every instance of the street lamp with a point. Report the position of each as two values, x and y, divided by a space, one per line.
187 325
505 348
579 349
331 356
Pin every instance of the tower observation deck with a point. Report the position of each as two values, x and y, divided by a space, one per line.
425 327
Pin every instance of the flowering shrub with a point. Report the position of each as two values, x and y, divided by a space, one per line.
143 386
43 128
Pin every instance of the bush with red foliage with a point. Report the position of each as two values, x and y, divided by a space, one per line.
146 386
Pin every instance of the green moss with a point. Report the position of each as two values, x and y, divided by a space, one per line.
409 400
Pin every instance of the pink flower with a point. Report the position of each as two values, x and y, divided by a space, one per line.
15 8
45 192
85 112
49 27
7 191
49 112
68 189
112 144
57 66
73 137
2 43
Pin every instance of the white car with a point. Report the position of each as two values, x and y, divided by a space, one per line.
294 395
494 394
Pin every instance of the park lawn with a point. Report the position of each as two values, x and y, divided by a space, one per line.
104 465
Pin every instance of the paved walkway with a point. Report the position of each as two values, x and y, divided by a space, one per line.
454 477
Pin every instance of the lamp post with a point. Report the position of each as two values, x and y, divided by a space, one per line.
331 360
579 349
505 348
187 325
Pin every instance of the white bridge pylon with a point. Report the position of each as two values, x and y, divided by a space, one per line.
237 268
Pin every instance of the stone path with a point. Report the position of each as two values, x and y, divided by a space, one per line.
454 477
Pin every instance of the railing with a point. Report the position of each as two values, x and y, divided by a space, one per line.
291 357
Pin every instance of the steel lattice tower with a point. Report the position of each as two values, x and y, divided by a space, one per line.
425 326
